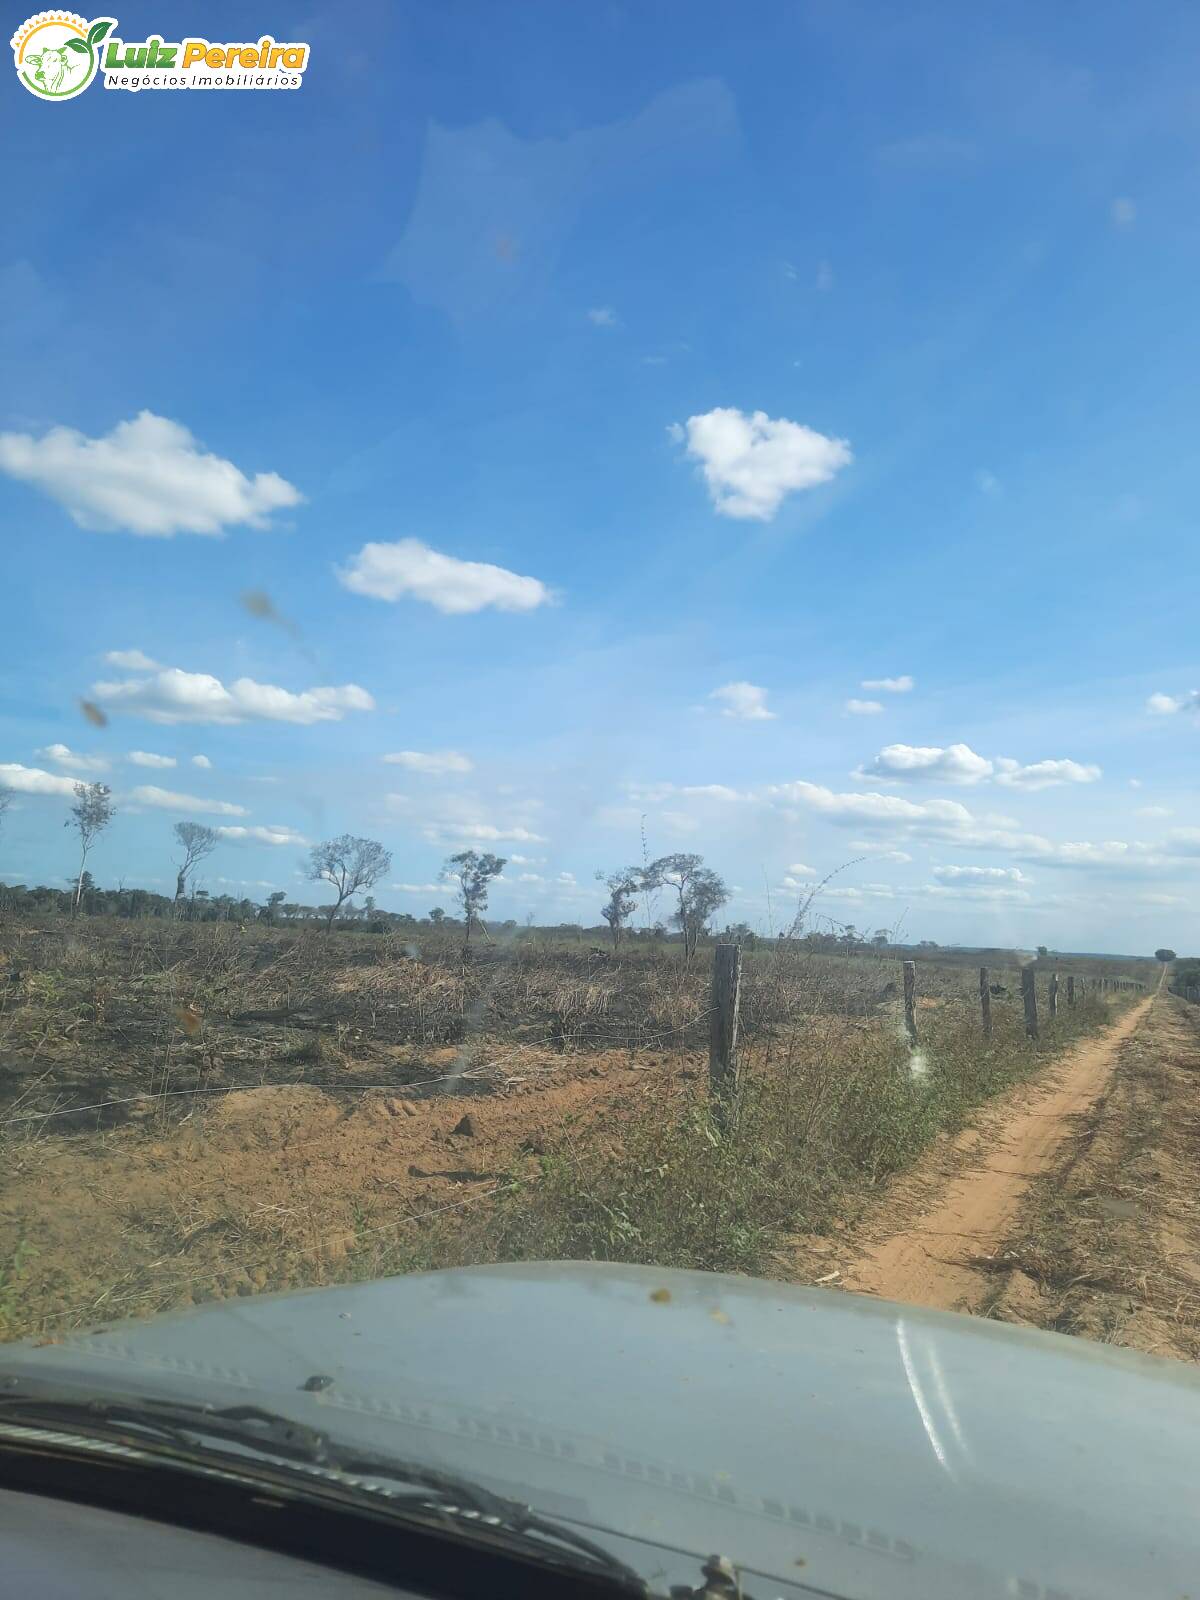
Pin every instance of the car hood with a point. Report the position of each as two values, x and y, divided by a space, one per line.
829 1440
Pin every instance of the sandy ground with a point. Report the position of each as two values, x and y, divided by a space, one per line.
922 1243
270 1188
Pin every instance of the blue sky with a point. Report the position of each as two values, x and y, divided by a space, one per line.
603 396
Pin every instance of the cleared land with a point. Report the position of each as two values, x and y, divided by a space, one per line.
189 1112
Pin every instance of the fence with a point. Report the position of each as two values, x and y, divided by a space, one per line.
726 999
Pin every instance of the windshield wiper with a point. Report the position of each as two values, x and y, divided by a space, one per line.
273 1438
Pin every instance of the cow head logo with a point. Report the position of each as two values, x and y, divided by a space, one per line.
57 53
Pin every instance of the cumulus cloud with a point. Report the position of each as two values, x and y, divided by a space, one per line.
979 875
148 476
131 660
799 870
1165 705
201 761
901 685
147 758
959 764
875 808
32 780
420 888
1044 774
172 695
272 833
744 701
454 587
62 756
751 462
434 763
148 794
863 708
956 763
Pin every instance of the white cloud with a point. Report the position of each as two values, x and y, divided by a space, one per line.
602 317
799 870
479 833
752 462
957 763
1154 811
901 685
434 763
1124 212
146 758
147 476
982 875
149 794
863 708
71 759
1044 774
454 587
1165 705
32 780
526 861
202 761
883 852
744 701
420 888
247 883
874 808
131 660
272 833
175 696
976 891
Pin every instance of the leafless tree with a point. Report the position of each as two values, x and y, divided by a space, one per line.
197 842
90 815
348 864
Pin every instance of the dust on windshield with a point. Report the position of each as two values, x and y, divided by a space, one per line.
599 657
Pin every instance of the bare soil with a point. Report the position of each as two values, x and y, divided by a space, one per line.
1069 1204
272 1187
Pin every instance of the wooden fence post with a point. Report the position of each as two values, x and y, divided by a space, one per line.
1053 994
1070 988
910 1003
985 1002
1029 995
723 1022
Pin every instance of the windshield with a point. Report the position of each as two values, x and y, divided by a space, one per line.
599 667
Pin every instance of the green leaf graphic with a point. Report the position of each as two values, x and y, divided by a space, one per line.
97 31
77 44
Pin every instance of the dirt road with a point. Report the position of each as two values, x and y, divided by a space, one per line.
958 1204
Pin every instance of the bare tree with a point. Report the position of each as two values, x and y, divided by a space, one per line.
699 889
474 872
90 815
623 890
349 864
197 842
